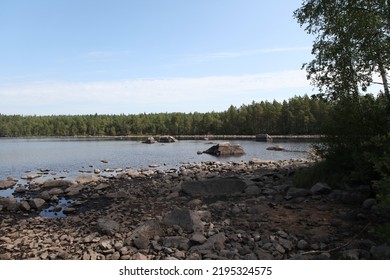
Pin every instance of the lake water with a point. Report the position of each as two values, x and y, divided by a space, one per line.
67 156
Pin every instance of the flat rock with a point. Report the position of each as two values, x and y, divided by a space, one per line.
9 203
57 183
7 184
296 192
214 187
31 176
225 149
87 179
185 218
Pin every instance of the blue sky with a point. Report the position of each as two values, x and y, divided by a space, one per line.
132 56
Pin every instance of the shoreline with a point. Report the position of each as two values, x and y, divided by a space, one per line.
178 137
210 210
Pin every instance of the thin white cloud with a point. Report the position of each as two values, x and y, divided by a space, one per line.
243 53
161 92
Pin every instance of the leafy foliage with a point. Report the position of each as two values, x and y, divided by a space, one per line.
300 115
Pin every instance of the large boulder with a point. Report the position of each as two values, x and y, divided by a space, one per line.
225 149
214 187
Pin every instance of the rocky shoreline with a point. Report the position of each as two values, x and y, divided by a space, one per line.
244 211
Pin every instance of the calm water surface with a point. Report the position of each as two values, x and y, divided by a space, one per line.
66 157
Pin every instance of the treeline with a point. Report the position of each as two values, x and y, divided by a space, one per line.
298 115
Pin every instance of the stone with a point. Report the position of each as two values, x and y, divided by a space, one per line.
107 226
275 148
177 242
9 203
139 257
198 238
74 190
148 229
87 179
214 187
69 210
31 176
215 242
320 188
24 206
225 149
57 183
294 192
380 252
369 203
5 184
141 242
287 244
184 218
37 203
302 245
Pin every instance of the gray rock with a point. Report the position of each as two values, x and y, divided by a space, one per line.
57 184
215 242
287 244
296 192
9 203
31 176
380 252
7 184
139 257
184 218
225 149
214 187
148 229
141 242
369 203
320 188
177 242
107 226
87 179
253 190
24 206
302 245
198 237
37 203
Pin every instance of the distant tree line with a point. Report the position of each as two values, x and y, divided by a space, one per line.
298 115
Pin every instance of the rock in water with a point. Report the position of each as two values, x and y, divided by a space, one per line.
225 149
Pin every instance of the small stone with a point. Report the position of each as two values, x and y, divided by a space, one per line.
141 242
140 257
302 245
37 203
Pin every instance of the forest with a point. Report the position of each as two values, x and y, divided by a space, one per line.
300 115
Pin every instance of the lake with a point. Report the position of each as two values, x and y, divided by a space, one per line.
67 156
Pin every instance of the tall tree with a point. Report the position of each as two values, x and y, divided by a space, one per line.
351 47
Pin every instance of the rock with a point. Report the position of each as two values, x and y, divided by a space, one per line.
69 210
287 244
21 189
214 187
37 203
107 226
5 256
380 252
177 242
296 192
31 176
215 242
149 140
9 203
253 190
166 139
24 206
276 148
302 245
133 173
198 238
369 203
87 179
141 242
184 218
148 229
7 184
74 190
225 149
320 188
139 257
57 184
